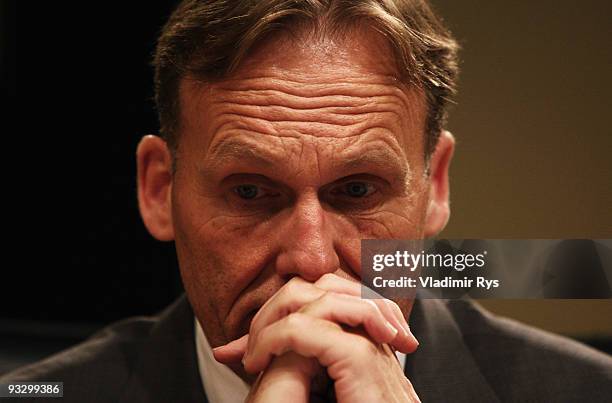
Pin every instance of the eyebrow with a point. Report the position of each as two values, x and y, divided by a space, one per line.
231 150
381 157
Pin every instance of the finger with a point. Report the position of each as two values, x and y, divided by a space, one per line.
352 311
309 337
298 293
407 342
333 282
231 352
287 375
344 355
290 298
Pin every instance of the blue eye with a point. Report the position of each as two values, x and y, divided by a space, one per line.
358 189
247 192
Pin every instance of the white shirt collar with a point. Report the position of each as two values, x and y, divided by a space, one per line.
221 384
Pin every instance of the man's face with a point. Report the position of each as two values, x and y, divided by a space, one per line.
283 167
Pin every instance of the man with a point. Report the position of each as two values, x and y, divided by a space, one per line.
291 131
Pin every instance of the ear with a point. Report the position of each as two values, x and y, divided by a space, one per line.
154 186
438 210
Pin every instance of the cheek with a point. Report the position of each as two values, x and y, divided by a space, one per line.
399 218
218 255
223 258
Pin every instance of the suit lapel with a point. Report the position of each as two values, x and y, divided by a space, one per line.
442 368
167 369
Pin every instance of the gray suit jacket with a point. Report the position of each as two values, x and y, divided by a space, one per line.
466 355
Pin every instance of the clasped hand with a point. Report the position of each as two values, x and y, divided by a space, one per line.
308 328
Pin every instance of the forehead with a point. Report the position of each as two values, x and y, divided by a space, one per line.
340 89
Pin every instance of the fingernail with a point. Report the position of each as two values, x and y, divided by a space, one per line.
404 330
414 339
392 329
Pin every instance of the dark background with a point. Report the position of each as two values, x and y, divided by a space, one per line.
76 97
532 156
84 99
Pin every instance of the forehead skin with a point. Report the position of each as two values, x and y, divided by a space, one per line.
341 94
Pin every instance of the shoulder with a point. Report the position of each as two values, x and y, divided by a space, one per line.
108 355
127 361
513 356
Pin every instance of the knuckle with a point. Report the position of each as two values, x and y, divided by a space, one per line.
293 288
291 291
370 308
294 321
364 348
291 337
293 285
328 298
327 278
293 327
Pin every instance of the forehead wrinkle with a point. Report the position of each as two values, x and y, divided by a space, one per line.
278 106
362 94
335 104
265 101
265 116
321 86
253 95
233 149
305 130
283 122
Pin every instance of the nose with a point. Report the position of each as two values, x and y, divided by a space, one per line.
307 241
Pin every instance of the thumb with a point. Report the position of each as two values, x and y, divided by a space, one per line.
231 352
